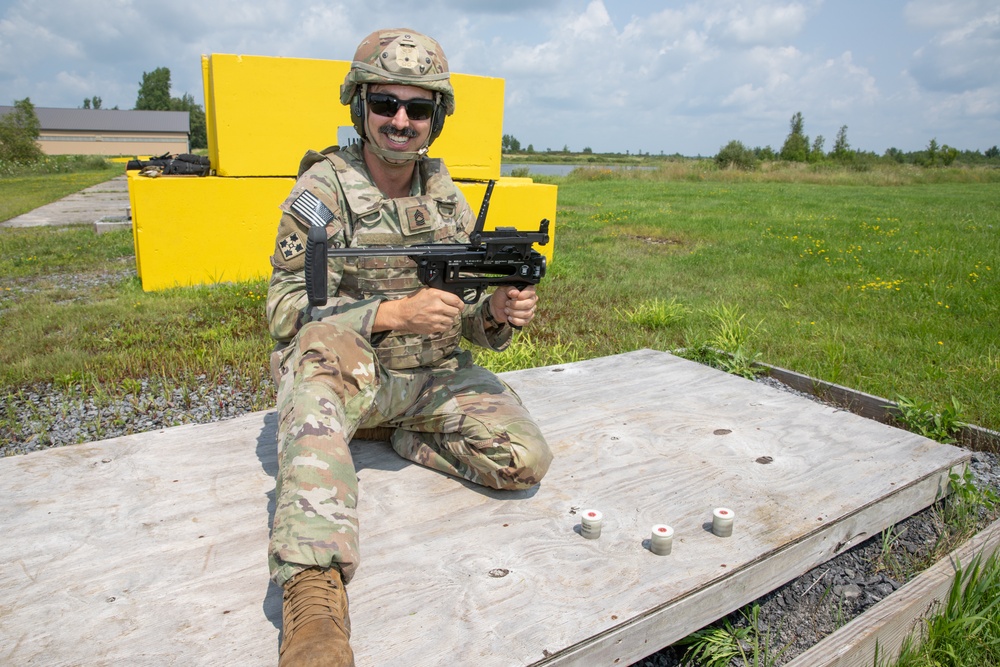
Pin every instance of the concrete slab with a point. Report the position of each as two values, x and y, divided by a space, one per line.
108 199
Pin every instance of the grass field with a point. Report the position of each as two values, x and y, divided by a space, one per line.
889 289
20 194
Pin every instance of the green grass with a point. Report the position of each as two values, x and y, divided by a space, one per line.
21 194
75 311
888 289
966 629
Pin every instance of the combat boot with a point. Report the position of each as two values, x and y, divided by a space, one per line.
316 626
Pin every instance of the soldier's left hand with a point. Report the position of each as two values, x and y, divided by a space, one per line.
514 305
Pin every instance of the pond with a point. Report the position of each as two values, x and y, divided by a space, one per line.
549 169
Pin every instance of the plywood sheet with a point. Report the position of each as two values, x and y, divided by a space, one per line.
151 548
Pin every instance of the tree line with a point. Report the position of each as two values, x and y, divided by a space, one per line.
798 148
20 129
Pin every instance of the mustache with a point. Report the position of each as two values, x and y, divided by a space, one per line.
407 132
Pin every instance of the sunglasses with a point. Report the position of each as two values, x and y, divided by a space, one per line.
386 105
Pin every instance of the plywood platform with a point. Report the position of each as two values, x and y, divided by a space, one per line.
150 549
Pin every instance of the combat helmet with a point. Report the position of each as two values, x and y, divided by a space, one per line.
399 56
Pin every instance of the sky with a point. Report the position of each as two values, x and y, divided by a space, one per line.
674 77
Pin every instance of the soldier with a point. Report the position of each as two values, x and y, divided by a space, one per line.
384 352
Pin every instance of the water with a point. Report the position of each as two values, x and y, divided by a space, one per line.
539 169
547 169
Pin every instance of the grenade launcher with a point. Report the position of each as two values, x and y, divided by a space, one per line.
500 257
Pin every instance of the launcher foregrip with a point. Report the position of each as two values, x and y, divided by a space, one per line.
316 278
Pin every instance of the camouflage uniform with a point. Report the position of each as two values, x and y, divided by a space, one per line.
335 375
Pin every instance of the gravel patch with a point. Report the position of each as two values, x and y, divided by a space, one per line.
45 415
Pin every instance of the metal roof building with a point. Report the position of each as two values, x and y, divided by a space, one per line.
110 131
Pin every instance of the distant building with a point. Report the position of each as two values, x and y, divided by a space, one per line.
111 131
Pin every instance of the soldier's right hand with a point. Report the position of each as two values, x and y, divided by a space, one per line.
426 311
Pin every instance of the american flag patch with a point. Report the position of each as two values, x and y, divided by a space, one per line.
312 209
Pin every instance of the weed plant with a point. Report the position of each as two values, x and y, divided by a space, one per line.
744 642
966 630
920 417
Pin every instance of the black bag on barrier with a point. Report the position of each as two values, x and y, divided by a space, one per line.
184 164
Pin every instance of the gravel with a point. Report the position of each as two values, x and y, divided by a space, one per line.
797 614
47 416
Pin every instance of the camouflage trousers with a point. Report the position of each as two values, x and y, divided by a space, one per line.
457 418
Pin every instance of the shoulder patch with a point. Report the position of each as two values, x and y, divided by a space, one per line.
312 209
291 246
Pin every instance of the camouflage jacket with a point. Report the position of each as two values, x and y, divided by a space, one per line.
335 189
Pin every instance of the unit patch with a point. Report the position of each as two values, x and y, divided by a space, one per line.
291 246
312 209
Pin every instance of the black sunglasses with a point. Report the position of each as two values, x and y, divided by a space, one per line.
386 105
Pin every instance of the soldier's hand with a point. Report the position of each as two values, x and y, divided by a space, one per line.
516 307
426 311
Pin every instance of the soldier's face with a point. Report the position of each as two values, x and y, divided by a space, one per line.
398 117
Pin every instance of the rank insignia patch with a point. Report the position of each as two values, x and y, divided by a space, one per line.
291 246
417 218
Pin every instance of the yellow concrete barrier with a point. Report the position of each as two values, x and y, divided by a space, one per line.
200 231
264 113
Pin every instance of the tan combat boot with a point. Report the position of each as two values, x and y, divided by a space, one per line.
316 626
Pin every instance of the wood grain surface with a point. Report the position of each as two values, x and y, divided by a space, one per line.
151 548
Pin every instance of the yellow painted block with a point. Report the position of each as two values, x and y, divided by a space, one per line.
263 113
472 140
519 203
191 230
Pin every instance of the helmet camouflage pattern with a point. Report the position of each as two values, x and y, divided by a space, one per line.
400 56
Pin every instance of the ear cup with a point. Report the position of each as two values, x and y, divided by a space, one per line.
358 112
437 122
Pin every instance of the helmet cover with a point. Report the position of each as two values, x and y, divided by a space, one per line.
400 56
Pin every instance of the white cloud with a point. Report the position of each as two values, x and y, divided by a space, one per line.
962 56
685 76
769 24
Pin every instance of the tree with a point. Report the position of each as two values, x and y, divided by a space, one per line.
816 152
841 148
991 153
931 154
19 131
735 155
766 153
196 116
895 155
154 95
948 155
796 146
510 144
154 91
92 102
